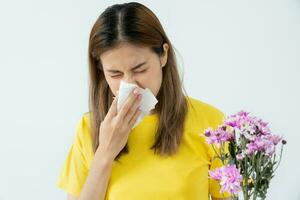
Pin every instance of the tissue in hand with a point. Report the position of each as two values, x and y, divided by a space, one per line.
147 102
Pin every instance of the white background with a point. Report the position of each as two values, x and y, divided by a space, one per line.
233 54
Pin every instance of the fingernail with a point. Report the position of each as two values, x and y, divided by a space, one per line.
136 90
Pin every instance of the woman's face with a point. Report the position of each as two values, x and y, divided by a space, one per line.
133 64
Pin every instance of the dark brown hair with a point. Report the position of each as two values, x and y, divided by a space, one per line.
138 25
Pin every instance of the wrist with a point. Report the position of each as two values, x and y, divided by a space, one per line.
104 157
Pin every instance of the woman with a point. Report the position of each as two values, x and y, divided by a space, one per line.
165 156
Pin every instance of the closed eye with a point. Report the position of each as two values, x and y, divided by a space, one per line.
141 71
114 76
118 75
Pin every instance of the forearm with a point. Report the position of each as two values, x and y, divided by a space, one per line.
97 179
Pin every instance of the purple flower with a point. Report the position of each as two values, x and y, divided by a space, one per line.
208 132
247 125
247 135
283 142
218 136
251 148
264 143
229 177
216 174
269 148
274 138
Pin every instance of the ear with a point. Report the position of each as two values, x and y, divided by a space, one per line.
164 56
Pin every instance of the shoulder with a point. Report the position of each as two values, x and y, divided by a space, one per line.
83 122
86 119
203 107
203 113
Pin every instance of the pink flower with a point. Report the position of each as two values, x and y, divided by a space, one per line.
264 143
247 125
269 148
274 138
229 177
218 136
249 137
216 174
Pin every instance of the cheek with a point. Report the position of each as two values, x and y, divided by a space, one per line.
157 84
113 85
152 81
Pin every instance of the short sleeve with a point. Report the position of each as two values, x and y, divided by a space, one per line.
214 186
75 168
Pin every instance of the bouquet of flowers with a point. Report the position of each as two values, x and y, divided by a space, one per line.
247 149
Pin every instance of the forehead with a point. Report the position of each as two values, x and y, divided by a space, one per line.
125 55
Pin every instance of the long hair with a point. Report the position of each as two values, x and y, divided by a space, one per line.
138 25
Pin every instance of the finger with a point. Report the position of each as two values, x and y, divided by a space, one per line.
113 108
133 109
134 117
128 103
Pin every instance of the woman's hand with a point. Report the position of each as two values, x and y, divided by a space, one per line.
115 128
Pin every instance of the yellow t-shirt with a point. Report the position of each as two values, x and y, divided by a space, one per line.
141 174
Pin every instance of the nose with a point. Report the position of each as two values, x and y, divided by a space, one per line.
130 79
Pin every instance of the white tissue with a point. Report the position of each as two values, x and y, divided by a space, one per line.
147 103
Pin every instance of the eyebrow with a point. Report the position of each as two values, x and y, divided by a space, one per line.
135 67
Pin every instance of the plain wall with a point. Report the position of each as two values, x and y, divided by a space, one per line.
232 54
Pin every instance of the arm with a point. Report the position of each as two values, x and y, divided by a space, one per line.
97 179
114 130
